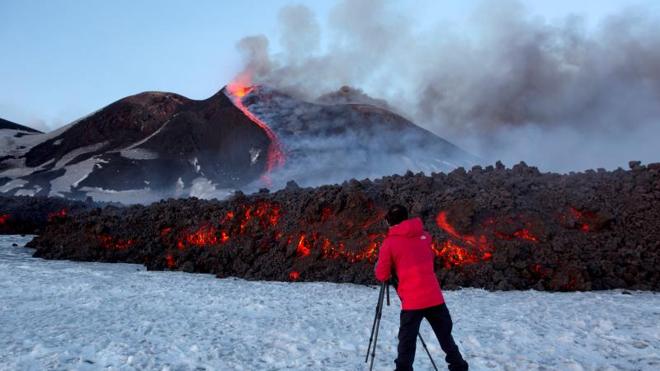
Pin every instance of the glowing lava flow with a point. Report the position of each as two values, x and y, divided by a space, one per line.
60 214
583 219
331 237
471 249
170 261
111 243
276 157
463 249
205 235
303 246
233 225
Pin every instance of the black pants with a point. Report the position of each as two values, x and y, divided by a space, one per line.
441 324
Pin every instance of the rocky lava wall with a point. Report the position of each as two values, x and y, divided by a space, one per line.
492 227
29 215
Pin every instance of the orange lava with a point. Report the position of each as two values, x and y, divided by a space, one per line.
203 236
263 213
228 217
60 214
224 237
294 276
455 255
442 222
460 249
239 88
582 218
303 246
165 231
267 213
111 243
169 260
260 215
247 215
525 234
263 217
369 253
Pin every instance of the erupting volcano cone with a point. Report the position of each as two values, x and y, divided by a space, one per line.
156 145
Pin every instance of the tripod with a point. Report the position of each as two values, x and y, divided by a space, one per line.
385 292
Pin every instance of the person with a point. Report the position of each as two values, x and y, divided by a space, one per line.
406 252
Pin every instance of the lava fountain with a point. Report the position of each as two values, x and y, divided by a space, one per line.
236 91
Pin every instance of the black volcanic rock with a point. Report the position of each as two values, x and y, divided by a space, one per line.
499 229
30 215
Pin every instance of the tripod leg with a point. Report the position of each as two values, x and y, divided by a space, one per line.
371 338
387 289
373 350
427 351
373 326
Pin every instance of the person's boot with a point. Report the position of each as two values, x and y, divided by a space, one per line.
460 366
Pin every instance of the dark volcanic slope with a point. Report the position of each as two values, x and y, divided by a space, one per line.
4 124
492 228
152 144
123 122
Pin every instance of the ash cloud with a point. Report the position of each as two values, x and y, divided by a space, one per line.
558 94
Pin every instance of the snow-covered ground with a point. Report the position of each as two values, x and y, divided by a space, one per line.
89 316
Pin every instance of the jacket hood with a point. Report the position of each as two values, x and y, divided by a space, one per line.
408 228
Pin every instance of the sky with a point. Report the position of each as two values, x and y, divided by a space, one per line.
61 60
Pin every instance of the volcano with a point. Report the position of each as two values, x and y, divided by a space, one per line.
155 145
346 135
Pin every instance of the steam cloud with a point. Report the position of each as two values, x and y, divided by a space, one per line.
560 95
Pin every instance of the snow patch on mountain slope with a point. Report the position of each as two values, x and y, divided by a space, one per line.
21 169
77 152
28 191
12 184
73 175
138 154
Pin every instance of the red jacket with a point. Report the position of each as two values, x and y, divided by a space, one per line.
407 250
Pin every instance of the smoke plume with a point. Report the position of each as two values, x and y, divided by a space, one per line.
562 95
